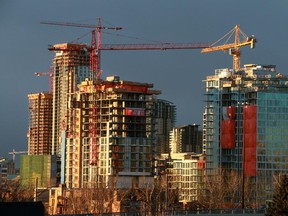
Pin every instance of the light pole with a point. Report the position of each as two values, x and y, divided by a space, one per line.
167 186
167 170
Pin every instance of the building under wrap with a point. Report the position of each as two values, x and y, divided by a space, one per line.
38 170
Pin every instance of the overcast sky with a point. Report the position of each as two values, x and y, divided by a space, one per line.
178 74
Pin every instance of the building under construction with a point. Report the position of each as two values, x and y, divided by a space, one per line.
114 134
71 66
38 170
40 124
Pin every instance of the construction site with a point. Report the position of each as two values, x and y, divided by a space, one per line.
124 111
96 122
106 132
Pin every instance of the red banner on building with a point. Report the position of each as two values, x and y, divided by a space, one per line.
228 127
228 134
135 111
201 164
249 140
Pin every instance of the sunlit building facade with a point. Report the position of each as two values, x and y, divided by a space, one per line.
187 175
186 138
40 124
245 126
112 134
71 66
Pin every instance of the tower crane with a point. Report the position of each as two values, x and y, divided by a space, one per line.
95 56
96 45
240 40
50 74
17 152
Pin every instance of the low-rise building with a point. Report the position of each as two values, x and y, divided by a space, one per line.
187 175
7 168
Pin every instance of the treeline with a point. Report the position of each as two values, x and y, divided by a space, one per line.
222 191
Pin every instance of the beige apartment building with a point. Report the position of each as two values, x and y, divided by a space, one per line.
40 124
110 134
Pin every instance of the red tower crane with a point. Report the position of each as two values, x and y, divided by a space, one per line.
96 45
95 56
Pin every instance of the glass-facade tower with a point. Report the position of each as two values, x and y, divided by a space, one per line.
245 127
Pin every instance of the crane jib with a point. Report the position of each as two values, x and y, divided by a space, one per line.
161 46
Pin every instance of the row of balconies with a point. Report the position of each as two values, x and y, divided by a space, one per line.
107 116
41 139
134 164
38 148
136 157
118 127
41 131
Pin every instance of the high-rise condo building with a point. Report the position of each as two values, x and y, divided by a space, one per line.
165 113
40 124
112 134
71 66
187 138
245 126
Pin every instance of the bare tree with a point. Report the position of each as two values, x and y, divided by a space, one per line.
149 198
156 197
221 190
279 203
96 199
88 200
13 191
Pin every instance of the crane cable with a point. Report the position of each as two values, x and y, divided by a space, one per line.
230 33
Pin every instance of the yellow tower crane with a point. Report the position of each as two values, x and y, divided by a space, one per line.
241 39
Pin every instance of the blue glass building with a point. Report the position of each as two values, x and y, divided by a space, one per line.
245 127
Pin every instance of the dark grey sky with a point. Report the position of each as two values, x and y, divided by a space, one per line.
177 73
